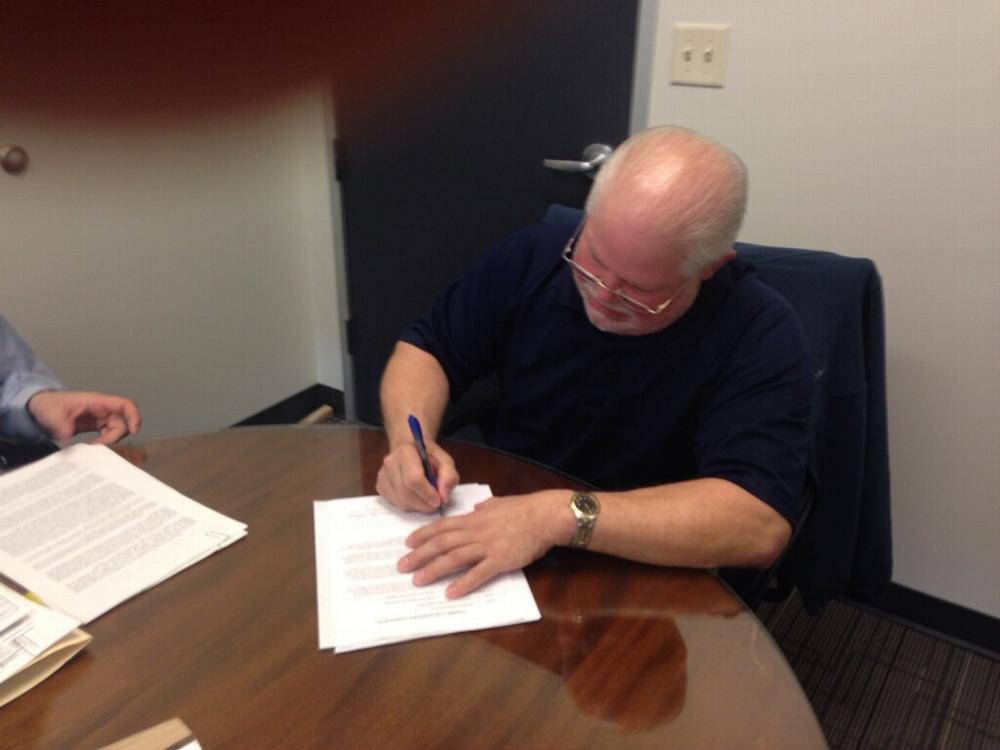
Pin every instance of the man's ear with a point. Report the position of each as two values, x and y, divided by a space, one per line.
710 270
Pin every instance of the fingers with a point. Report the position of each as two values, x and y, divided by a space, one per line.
431 565
68 413
402 482
444 469
446 553
472 580
125 408
433 540
111 431
113 417
500 535
130 413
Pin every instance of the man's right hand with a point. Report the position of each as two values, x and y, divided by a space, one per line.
401 479
64 414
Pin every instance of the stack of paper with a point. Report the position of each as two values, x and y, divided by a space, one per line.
364 601
85 530
34 643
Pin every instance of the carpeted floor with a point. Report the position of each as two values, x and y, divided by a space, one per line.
875 683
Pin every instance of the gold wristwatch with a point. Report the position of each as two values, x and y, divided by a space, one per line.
585 509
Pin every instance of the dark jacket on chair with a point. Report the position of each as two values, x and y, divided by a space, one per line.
845 545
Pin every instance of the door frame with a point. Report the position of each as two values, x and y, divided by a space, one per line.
642 71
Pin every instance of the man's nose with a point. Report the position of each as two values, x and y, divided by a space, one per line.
603 292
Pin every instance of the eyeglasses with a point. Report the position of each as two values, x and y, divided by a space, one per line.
587 276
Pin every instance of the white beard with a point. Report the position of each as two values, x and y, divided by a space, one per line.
629 326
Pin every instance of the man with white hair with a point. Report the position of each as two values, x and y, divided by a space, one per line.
635 352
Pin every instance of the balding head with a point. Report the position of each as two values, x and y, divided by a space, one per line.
674 185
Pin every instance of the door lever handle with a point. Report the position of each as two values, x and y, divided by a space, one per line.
593 156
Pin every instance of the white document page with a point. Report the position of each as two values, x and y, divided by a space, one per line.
26 631
85 530
364 601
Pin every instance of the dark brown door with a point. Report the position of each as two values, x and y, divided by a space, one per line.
450 159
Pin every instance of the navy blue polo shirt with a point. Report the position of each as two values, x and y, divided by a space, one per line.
722 392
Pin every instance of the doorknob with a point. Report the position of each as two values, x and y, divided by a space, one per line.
593 156
13 159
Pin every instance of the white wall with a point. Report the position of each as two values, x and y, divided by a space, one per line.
873 129
185 262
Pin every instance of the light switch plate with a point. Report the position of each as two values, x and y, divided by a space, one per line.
701 54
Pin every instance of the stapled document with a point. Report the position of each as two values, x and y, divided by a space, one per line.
364 601
85 530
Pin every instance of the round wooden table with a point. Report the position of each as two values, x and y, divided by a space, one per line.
626 655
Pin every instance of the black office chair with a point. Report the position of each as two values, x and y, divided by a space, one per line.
845 545
842 542
15 452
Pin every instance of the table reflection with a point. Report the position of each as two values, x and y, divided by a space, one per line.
621 663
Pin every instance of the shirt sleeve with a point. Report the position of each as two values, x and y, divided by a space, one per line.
21 377
754 429
465 327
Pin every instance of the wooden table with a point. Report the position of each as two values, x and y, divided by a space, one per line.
626 655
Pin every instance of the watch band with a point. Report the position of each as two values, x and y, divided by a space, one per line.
585 508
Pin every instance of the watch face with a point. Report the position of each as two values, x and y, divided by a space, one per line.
586 504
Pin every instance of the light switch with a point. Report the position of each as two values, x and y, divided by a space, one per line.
701 54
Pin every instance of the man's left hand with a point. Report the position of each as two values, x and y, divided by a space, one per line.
501 534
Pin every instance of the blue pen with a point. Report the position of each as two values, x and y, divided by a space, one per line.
418 440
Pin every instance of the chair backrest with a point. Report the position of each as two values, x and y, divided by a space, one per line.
556 213
846 546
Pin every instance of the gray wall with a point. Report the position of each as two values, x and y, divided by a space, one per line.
187 262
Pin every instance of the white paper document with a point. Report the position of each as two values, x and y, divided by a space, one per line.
85 530
364 601
34 642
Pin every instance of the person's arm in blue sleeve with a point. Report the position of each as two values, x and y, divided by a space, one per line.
21 377
34 405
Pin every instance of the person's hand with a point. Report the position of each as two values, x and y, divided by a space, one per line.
502 534
401 479
64 414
